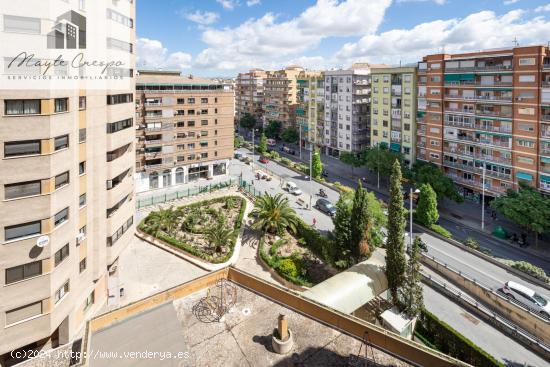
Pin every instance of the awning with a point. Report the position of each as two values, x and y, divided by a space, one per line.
524 176
458 77
545 178
395 147
545 159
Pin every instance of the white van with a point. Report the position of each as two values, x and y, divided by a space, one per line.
292 188
526 295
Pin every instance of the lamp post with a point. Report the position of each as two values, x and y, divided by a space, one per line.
483 198
300 141
310 176
417 191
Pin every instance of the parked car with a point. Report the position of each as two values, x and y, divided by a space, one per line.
326 207
271 142
528 296
292 188
247 160
238 155
263 160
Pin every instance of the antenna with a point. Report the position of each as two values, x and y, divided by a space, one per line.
515 42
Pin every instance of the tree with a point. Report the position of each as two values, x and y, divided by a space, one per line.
316 164
412 292
247 121
273 129
380 159
219 236
238 141
395 247
361 224
527 208
273 214
290 135
342 229
163 220
424 172
351 159
262 147
426 211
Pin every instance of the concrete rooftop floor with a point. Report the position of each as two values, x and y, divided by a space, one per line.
242 338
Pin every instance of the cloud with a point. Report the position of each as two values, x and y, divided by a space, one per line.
510 2
475 32
228 4
202 17
152 55
253 2
543 8
438 2
263 41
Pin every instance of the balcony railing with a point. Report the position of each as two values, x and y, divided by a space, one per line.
151 142
546 66
545 134
494 98
544 185
152 104
468 125
494 113
482 68
458 110
545 117
545 150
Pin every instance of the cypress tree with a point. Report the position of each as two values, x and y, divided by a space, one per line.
360 224
414 299
395 247
342 230
426 211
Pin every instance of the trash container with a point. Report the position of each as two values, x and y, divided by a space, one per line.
500 232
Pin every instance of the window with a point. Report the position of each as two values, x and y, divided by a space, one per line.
526 143
190 123
82 168
23 313
526 127
526 111
434 155
117 206
82 102
181 100
61 105
204 112
82 200
82 135
61 292
22 148
114 127
527 61
117 180
191 100
115 44
22 189
111 240
62 142
119 18
525 160
81 235
17 24
204 155
204 122
117 153
435 79
435 66
89 300
61 180
22 272
120 98
61 254
82 265
22 107
61 217
22 230
204 133
526 78
204 100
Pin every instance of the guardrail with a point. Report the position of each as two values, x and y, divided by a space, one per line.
489 316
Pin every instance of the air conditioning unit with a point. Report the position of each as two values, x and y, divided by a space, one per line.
109 184
80 237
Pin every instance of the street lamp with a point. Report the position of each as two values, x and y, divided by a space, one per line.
417 191
483 198
253 130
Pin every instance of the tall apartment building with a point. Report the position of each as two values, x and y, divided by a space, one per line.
186 129
280 96
249 94
393 111
310 116
66 162
347 109
489 110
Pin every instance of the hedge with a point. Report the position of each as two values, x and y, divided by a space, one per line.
530 269
189 247
274 261
320 245
449 341
440 230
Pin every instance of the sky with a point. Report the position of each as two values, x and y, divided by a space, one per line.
224 37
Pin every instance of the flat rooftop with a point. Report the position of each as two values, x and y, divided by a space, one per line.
167 330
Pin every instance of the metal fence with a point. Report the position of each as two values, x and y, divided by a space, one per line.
189 192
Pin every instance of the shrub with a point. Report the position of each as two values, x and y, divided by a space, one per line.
275 247
317 243
286 161
287 267
440 230
343 188
267 155
530 269
472 243
275 155
303 168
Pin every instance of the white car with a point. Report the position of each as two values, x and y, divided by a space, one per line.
293 189
526 295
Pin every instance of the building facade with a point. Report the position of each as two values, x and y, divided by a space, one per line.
66 165
347 110
393 111
249 94
186 129
311 106
487 112
280 96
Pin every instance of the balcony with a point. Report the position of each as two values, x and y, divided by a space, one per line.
494 113
153 142
396 90
152 104
545 134
546 83
544 185
506 99
494 68
546 66
458 110
545 150
545 117
459 97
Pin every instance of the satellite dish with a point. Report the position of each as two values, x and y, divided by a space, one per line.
42 241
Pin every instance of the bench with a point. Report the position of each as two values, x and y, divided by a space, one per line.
300 201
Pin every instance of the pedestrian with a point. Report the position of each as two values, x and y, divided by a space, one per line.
314 221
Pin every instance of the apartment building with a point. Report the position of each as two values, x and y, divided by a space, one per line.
186 129
487 111
347 109
66 162
393 111
310 116
249 94
280 96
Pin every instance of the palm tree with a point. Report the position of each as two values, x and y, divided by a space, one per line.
219 236
273 214
164 220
